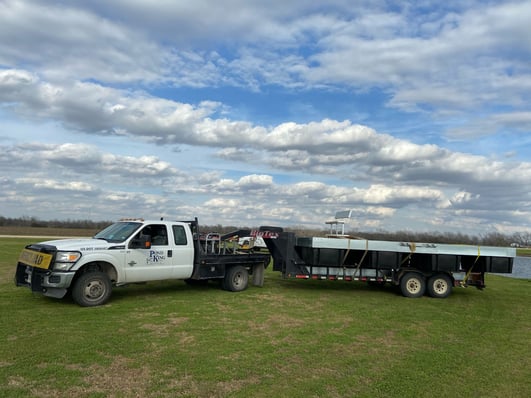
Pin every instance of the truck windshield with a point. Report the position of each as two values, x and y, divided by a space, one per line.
118 232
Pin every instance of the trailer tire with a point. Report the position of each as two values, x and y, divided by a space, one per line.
413 285
236 279
439 286
92 288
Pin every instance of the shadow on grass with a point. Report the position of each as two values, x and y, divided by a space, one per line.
274 285
161 289
326 285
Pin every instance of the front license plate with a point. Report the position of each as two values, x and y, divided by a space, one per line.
35 259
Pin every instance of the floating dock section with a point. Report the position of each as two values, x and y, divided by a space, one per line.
384 261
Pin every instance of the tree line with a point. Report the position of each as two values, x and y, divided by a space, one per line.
33 222
520 239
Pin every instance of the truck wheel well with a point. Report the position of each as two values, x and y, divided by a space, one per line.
101 266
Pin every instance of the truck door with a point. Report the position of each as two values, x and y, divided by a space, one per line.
158 262
183 252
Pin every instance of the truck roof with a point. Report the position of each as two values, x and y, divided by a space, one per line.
151 221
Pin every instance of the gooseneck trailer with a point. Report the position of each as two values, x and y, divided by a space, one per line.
416 268
138 251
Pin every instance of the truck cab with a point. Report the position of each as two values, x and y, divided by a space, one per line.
158 251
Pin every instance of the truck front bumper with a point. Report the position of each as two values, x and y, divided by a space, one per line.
46 282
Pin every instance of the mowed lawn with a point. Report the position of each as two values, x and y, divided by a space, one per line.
290 338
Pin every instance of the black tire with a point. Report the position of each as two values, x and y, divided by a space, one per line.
440 286
413 285
236 279
91 289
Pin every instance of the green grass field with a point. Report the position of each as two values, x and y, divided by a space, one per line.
524 251
288 339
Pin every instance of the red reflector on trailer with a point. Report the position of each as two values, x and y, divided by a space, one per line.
301 276
315 277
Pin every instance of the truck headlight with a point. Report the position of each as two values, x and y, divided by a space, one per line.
65 260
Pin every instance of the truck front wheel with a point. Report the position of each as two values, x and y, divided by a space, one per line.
92 289
236 279
413 285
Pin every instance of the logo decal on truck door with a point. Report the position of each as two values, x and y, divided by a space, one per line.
155 256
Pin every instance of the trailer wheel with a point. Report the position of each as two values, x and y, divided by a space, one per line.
412 285
439 286
236 279
92 289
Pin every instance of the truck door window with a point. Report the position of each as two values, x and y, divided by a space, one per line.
159 235
179 235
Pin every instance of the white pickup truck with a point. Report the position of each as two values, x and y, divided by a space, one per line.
134 251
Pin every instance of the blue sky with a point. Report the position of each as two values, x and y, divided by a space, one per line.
414 115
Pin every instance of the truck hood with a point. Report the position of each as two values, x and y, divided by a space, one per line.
83 244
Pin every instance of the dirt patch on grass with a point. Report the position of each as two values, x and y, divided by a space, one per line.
164 329
274 324
188 386
120 378
378 344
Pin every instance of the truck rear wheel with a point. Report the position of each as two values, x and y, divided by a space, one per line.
236 279
439 286
92 289
412 285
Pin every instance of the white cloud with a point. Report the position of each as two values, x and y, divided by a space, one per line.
38 34
255 181
55 185
380 194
